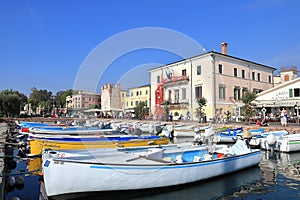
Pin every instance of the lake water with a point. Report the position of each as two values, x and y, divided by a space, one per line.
276 177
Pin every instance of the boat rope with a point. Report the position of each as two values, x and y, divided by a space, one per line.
9 156
21 172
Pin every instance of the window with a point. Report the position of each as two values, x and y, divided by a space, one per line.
270 79
136 103
258 76
146 92
131 103
158 79
137 93
222 92
220 69
243 73
296 92
183 91
169 96
237 93
176 96
253 75
183 72
244 91
235 72
140 92
256 91
199 70
198 92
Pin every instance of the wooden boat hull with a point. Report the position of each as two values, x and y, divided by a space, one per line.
37 146
127 173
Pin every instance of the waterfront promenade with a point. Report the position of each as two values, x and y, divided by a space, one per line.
292 128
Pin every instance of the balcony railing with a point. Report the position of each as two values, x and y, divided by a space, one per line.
173 79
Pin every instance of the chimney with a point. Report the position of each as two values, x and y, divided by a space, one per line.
224 48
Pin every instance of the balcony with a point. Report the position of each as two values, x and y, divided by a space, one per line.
177 80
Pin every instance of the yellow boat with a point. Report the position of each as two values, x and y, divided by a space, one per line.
37 145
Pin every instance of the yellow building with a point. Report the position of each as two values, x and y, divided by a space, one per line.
134 96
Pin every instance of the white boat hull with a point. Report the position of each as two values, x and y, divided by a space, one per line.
287 143
90 176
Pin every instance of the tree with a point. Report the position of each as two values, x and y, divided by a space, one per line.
41 98
11 103
60 98
140 110
201 101
248 107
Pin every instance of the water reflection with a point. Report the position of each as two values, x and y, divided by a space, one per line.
276 177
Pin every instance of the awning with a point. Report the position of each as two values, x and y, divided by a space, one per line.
281 103
93 110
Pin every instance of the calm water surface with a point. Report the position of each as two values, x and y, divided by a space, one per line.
276 177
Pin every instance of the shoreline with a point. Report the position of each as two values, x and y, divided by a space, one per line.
291 128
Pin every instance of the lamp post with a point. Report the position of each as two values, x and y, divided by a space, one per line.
297 108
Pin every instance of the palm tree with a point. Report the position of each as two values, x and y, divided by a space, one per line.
201 101
248 107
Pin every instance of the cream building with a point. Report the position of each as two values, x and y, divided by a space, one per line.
220 78
286 74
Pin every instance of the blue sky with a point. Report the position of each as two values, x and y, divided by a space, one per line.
43 44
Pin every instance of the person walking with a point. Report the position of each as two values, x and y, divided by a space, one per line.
171 116
283 117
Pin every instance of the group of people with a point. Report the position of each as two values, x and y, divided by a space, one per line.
283 119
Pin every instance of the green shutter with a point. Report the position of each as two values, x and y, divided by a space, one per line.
291 93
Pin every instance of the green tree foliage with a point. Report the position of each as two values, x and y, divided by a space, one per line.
199 110
248 107
11 103
141 110
41 98
60 98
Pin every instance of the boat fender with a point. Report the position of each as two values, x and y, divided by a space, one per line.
11 181
20 182
11 164
21 153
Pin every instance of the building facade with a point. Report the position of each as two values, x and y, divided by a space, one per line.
111 100
285 95
135 96
81 100
218 77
